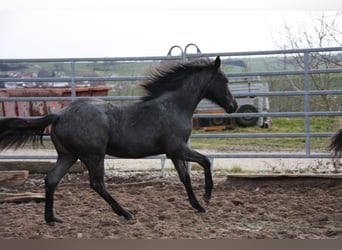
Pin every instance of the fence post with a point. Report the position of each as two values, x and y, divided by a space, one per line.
73 83
162 162
307 103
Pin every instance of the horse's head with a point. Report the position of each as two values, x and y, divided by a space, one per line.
218 90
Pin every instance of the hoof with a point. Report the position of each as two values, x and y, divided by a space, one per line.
197 206
51 221
128 216
207 198
201 209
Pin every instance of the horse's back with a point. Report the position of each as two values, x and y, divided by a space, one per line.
83 125
85 110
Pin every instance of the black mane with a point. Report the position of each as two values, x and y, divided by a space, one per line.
170 76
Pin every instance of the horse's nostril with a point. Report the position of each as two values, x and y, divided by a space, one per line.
232 108
235 105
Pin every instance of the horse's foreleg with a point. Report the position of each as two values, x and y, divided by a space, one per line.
191 155
54 176
96 176
185 179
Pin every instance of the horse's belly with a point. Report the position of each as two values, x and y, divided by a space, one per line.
133 152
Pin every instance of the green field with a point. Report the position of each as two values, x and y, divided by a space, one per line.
280 125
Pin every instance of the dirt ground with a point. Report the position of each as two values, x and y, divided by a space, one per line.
239 209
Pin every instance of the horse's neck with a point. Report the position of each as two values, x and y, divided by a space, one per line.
190 95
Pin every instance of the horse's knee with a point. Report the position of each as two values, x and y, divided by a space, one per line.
206 163
182 176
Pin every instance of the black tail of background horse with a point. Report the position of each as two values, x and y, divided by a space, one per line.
15 132
160 123
336 144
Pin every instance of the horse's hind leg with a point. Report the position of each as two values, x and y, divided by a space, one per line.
96 176
54 176
185 179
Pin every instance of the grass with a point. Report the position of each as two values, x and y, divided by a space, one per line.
280 125
235 169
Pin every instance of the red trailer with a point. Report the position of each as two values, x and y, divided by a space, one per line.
40 108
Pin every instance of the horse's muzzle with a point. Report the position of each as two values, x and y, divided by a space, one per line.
232 107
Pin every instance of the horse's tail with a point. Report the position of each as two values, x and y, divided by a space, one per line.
336 144
15 132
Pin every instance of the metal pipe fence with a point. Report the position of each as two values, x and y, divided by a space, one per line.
306 93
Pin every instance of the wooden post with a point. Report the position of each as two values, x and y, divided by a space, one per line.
13 178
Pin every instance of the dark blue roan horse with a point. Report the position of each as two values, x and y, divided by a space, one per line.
88 129
336 144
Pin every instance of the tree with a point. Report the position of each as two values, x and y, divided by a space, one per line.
323 30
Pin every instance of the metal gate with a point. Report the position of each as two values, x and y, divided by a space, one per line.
306 93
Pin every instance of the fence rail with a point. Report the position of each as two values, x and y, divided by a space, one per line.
306 93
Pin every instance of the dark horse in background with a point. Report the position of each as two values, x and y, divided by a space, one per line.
336 144
88 129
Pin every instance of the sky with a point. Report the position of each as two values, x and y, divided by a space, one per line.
105 28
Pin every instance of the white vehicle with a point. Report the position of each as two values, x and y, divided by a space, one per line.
245 88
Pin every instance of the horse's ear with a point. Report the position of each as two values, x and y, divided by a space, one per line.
217 62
